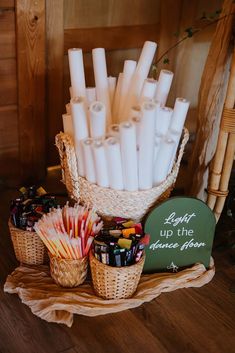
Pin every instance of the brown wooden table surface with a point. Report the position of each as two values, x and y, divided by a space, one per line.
187 320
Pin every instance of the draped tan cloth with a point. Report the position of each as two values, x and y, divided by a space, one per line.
52 303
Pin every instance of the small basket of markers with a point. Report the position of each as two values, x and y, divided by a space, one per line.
117 259
25 211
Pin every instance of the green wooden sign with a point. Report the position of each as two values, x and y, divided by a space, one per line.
182 231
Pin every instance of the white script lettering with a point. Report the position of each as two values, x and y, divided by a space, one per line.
176 220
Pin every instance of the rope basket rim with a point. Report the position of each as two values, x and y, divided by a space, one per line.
117 269
28 246
69 261
19 230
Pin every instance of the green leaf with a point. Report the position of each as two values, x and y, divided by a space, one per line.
166 61
154 68
203 17
189 31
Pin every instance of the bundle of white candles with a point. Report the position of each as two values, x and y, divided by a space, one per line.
69 232
124 135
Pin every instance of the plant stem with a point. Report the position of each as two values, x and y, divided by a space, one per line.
195 32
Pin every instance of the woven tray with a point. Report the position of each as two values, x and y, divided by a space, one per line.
28 247
115 282
109 202
68 273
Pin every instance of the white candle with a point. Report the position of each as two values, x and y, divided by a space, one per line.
68 124
157 144
101 168
163 86
116 99
163 119
90 95
175 136
146 145
148 90
79 118
112 81
129 156
163 160
135 111
128 72
113 154
141 73
77 75
89 160
97 119
80 129
179 114
101 80
136 121
71 92
144 64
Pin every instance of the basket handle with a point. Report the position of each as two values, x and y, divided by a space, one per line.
68 162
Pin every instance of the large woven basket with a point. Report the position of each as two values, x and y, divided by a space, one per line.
28 247
115 282
68 273
109 202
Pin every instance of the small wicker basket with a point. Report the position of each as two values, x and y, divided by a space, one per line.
109 202
68 273
115 282
28 247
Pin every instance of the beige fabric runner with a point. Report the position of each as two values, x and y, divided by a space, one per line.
36 289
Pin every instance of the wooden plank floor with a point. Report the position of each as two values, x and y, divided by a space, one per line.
187 320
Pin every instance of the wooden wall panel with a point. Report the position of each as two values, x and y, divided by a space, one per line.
31 87
8 86
110 37
9 143
7 33
191 54
169 25
8 132
55 80
7 4
101 13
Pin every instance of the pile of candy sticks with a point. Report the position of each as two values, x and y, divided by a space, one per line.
69 232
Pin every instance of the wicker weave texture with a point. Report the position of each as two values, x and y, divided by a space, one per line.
68 273
28 247
115 282
109 202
